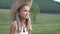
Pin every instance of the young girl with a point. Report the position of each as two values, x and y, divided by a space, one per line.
22 23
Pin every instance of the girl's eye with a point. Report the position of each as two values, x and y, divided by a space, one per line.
25 10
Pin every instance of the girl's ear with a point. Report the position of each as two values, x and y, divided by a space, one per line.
17 13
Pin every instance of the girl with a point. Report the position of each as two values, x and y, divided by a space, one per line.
22 23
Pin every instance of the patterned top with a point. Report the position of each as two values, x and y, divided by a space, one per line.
24 29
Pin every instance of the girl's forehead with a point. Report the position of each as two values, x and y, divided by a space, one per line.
26 8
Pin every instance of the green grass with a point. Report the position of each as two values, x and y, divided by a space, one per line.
45 23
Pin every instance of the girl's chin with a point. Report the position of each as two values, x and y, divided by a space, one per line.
26 17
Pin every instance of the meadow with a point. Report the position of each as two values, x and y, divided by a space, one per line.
45 23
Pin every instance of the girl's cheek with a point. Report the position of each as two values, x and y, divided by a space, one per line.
24 13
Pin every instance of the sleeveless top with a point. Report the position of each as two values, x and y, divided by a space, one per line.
24 29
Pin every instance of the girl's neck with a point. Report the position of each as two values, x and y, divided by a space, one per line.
22 21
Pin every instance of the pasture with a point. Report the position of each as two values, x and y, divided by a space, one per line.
45 23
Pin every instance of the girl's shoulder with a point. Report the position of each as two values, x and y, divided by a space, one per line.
14 23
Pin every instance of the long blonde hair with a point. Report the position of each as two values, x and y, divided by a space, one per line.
16 5
27 21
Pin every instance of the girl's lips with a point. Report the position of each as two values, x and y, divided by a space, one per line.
27 16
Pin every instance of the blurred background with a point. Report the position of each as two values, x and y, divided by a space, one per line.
45 16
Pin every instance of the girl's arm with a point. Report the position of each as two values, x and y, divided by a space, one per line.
12 28
29 31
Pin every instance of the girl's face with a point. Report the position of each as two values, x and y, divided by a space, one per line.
24 13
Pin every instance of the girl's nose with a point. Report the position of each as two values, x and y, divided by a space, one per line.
27 13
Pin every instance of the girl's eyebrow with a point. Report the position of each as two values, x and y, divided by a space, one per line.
26 10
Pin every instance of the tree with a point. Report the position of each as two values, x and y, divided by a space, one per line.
34 11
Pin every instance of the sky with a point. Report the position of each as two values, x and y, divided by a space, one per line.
57 0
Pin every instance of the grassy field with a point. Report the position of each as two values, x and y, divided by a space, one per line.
45 23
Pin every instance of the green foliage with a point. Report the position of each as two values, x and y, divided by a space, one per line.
35 8
48 5
45 6
6 3
34 11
